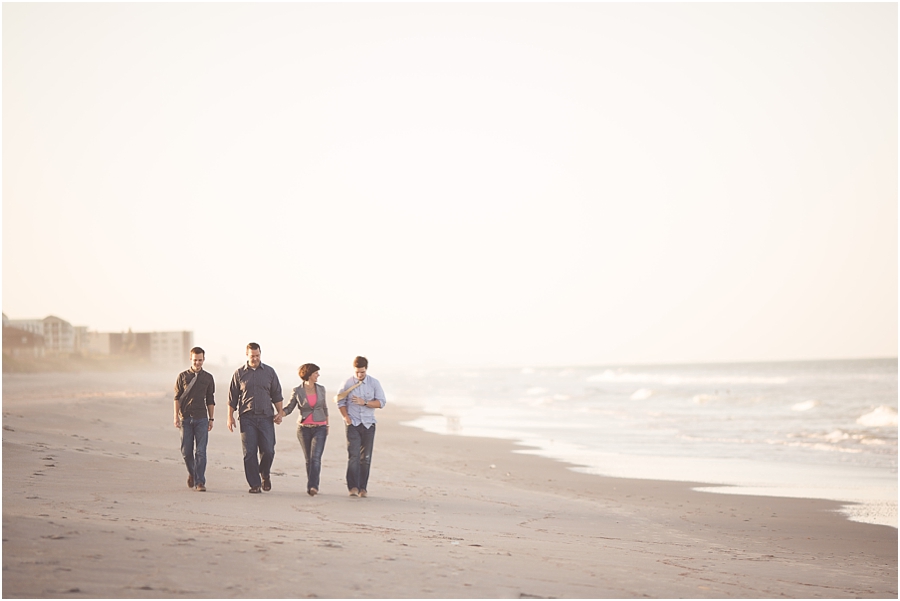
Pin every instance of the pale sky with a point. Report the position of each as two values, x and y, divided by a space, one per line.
458 184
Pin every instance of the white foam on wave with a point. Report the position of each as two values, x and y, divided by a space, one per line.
641 394
882 416
883 513
873 441
805 405
836 436
637 378
535 391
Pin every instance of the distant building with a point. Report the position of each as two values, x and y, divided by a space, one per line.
58 334
132 344
21 343
164 348
55 335
81 339
170 347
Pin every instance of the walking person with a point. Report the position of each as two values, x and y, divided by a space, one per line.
255 394
312 425
195 406
358 410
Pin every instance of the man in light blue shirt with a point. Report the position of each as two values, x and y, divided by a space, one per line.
358 399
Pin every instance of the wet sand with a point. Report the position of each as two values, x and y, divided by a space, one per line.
95 505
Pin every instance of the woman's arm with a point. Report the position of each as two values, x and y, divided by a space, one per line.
294 402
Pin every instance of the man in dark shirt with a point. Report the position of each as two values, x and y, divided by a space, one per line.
194 409
254 391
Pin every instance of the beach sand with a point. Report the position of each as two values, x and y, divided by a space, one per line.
95 505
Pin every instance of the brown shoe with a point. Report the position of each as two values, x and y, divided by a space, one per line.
312 492
254 490
354 492
363 493
190 482
267 483
201 488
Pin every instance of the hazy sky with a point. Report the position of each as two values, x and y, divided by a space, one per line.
504 184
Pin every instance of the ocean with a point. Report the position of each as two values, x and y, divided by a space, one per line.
813 429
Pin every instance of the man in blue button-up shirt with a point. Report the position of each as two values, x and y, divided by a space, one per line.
255 394
358 399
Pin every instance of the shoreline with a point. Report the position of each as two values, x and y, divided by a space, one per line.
94 505
863 508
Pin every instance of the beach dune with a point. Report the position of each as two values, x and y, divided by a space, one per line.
95 505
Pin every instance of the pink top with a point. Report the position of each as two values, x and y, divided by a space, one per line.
312 400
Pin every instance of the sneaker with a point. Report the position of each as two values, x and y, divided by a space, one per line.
201 488
190 482
363 493
354 492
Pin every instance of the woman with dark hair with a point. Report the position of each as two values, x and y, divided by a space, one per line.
312 426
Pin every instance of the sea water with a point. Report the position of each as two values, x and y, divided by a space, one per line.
817 429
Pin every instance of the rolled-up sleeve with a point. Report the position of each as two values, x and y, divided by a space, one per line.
234 392
275 392
379 394
179 387
211 391
343 402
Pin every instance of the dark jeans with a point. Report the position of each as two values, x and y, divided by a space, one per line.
195 430
313 442
359 448
257 437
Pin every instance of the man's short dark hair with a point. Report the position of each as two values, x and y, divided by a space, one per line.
252 347
361 362
198 351
306 370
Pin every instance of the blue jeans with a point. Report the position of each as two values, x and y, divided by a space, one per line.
257 438
313 442
195 430
359 449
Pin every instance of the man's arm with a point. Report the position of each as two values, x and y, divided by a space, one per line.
379 397
377 403
211 401
234 393
230 421
341 399
178 390
277 398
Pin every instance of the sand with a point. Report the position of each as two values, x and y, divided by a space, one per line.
95 505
